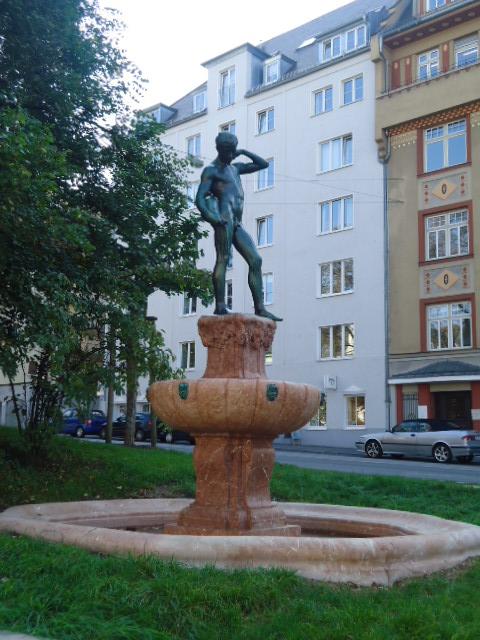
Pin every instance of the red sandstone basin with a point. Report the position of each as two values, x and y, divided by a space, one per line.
234 405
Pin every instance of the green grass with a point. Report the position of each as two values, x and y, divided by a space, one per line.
66 593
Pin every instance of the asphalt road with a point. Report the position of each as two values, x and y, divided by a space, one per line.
347 461
351 461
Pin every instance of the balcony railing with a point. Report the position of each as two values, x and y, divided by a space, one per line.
429 76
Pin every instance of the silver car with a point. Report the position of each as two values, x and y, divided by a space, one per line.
440 439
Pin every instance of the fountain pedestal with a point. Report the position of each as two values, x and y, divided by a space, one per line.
235 413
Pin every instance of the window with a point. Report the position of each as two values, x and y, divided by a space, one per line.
265 121
229 127
323 101
320 417
189 305
336 277
266 177
337 341
446 235
356 38
466 51
342 43
267 280
449 326
428 65
268 357
336 215
199 101
353 90
264 231
336 153
229 294
192 188
445 146
194 146
356 411
188 355
226 94
435 4
271 71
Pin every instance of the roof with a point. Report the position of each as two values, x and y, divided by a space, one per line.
407 19
286 44
436 371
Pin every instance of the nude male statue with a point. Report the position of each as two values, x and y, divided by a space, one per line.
220 202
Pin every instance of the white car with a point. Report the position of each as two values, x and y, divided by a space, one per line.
440 439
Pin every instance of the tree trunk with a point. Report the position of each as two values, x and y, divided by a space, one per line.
15 405
132 382
153 437
111 393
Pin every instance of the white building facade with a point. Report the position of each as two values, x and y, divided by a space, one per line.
316 214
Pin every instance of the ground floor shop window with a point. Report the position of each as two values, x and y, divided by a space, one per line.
356 411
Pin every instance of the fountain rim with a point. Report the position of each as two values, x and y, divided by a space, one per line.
430 544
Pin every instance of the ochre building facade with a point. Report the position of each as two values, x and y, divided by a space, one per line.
428 134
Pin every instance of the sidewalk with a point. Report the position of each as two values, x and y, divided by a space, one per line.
319 440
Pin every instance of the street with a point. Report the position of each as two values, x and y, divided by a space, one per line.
351 461
346 461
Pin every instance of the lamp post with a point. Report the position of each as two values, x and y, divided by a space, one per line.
153 417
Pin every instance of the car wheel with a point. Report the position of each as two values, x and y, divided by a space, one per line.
169 438
466 459
103 433
373 449
139 435
79 432
441 453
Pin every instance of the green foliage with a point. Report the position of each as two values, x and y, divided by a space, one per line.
93 216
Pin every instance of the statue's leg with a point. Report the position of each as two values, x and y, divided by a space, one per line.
245 246
223 243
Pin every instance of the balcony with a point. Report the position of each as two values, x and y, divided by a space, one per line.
437 92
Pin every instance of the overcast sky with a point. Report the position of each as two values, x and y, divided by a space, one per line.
169 39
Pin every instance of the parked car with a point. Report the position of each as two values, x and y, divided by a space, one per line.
143 427
166 434
75 425
440 439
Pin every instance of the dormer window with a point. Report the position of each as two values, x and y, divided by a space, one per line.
271 71
199 101
435 4
342 43
226 89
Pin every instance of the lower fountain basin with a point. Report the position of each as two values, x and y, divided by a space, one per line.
339 544
233 405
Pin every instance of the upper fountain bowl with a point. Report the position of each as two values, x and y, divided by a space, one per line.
234 405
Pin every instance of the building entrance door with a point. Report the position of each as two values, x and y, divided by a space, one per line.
455 406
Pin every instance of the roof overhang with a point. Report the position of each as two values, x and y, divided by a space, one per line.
247 47
422 379
434 21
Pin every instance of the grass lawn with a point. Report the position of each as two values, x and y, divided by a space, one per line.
66 593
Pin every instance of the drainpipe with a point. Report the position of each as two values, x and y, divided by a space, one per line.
386 281
384 159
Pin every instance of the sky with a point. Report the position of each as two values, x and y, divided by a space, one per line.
169 39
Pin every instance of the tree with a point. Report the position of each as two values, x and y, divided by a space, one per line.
92 214
154 239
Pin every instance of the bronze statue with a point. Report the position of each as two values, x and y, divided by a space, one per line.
220 202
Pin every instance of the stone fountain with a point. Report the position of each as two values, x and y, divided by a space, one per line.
235 412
